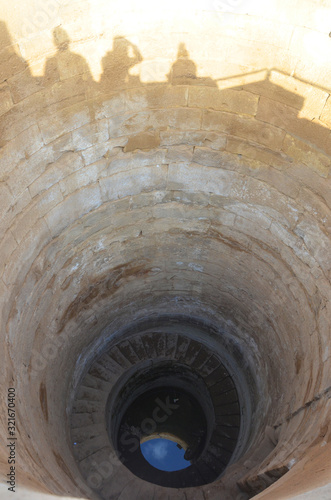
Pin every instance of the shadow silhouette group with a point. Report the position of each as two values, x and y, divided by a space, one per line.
116 75
116 64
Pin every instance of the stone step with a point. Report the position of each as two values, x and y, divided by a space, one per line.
201 359
138 347
149 344
115 364
192 352
219 374
81 434
206 471
90 446
221 455
96 383
80 420
95 417
213 461
227 409
196 473
93 450
225 442
221 387
91 394
116 355
228 431
128 352
160 343
86 406
102 372
181 349
210 366
227 397
171 345
228 420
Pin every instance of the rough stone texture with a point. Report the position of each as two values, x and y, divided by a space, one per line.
145 140
153 163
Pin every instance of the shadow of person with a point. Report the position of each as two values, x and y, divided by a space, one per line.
11 63
117 63
65 64
184 70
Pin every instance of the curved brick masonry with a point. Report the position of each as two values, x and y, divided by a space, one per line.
151 165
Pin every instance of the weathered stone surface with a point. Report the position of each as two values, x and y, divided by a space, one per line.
194 177
90 134
22 85
179 153
292 92
6 101
304 153
245 127
24 254
133 181
326 113
14 207
85 176
11 62
286 118
63 122
5 199
40 206
108 149
144 140
72 208
235 101
25 144
215 141
316 206
29 170
64 166
210 158
154 165
162 96
173 136
158 119
278 180
256 152
8 246
310 233
16 120
118 104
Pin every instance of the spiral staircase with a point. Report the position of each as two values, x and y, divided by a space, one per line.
165 358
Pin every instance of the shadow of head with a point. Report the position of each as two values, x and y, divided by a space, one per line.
61 38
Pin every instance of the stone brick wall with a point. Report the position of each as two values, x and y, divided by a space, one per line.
139 176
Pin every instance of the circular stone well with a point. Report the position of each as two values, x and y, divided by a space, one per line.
165 226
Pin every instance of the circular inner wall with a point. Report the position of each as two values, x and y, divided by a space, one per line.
165 196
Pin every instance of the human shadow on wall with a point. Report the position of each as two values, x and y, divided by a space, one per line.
65 64
12 65
116 65
10 62
116 77
184 70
